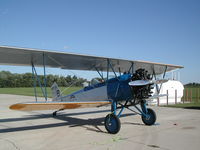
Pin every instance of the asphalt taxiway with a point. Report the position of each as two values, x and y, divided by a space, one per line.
175 129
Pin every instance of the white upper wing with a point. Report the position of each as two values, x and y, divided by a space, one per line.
26 56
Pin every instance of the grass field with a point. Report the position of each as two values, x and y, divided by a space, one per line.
191 99
30 91
191 94
185 105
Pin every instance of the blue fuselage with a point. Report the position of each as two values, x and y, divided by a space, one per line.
116 89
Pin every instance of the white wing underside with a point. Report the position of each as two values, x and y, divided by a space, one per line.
25 57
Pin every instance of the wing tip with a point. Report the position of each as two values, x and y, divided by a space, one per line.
16 107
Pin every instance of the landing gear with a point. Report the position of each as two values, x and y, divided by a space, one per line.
55 112
142 93
149 118
112 123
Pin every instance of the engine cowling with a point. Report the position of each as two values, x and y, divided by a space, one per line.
143 91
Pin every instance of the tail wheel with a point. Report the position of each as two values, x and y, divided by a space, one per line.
112 124
150 117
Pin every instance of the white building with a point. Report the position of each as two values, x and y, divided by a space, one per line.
173 88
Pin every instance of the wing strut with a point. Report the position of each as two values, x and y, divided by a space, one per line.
110 66
45 79
154 74
131 68
36 79
163 78
100 74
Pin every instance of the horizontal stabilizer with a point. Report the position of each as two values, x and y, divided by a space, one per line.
56 105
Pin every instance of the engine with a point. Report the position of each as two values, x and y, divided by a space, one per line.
141 92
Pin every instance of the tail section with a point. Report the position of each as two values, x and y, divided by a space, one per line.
56 94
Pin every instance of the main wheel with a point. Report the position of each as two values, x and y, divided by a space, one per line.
150 117
112 124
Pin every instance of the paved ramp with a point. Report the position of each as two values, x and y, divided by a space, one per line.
175 129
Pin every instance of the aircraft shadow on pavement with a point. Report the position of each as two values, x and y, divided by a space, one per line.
88 124
194 107
42 116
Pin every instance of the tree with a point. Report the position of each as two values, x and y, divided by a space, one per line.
7 79
192 84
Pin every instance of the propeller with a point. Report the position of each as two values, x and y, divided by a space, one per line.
157 96
142 84
146 82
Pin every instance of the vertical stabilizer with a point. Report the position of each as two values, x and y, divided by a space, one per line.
56 94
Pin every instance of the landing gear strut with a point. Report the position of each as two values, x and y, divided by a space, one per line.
55 112
139 96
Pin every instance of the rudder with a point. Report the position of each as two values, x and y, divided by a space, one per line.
56 94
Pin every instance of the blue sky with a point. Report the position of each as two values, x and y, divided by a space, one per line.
165 31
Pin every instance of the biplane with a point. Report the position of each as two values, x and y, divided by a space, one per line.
129 88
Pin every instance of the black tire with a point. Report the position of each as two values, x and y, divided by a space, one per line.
150 119
112 123
54 114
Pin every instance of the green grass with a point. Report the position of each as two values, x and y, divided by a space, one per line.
191 94
185 105
191 99
30 91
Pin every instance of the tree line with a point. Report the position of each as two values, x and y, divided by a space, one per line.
8 79
194 84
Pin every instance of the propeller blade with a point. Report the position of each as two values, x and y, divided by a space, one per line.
139 83
146 82
157 96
